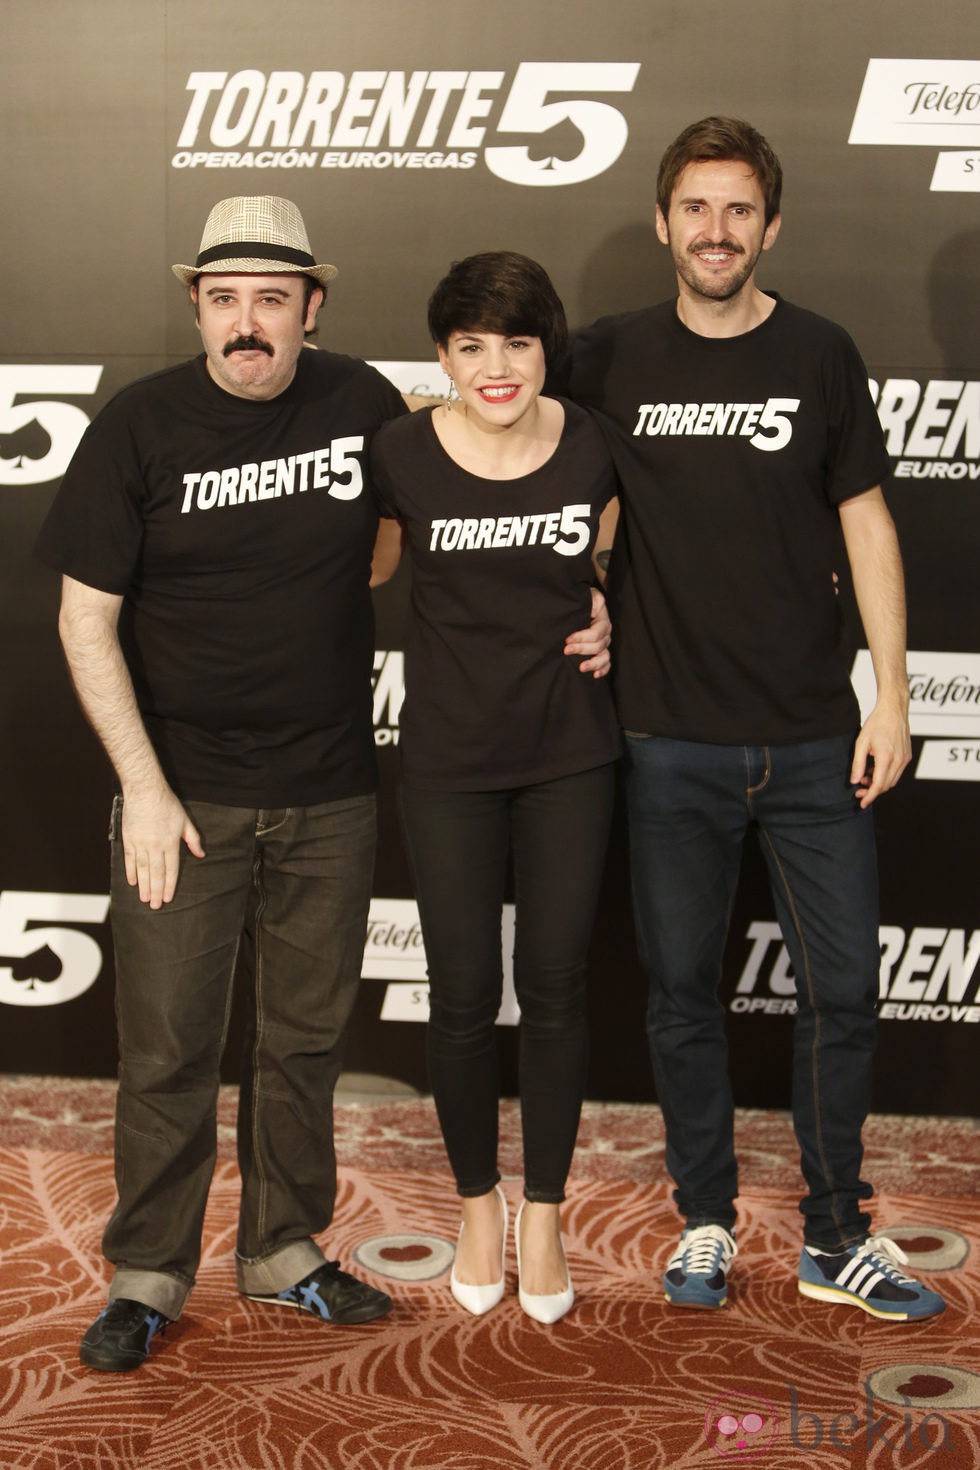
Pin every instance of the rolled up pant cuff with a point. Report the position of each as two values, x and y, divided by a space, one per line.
268 1274
165 1294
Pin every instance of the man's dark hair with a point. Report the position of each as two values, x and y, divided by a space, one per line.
500 291
721 139
310 285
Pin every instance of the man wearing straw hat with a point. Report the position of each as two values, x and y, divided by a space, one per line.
214 532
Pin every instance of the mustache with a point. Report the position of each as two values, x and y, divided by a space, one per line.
708 245
247 344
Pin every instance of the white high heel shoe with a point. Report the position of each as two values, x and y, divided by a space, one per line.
480 1299
547 1308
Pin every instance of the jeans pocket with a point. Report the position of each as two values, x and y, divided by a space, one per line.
115 817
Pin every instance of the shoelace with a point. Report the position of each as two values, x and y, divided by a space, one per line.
887 1255
700 1251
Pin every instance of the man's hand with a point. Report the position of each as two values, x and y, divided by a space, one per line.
153 822
881 752
153 827
884 747
592 644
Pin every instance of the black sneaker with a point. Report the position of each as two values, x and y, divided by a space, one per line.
119 1339
331 1295
697 1272
868 1276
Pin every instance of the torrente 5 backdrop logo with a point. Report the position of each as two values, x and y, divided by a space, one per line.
546 123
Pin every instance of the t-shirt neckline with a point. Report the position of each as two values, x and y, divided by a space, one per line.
487 479
716 344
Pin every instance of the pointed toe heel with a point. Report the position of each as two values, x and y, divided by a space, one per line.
481 1299
547 1308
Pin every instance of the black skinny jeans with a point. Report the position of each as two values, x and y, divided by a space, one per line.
459 841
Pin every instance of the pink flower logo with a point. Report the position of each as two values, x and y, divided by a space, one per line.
738 1425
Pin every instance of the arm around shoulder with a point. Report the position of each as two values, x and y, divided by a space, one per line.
388 546
602 551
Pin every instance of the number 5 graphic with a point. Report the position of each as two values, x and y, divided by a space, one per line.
603 128
575 525
63 423
79 955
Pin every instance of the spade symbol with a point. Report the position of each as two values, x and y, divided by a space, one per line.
39 968
559 144
29 443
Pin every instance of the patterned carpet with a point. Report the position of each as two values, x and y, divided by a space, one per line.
623 1383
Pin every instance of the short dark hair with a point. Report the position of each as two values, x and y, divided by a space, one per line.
500 291
721 139
311 284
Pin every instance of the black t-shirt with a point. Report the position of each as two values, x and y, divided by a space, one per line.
733 454
501 572
239 534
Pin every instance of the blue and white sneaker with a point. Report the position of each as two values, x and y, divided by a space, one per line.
868 1276
119 1339
332 1295
697 1272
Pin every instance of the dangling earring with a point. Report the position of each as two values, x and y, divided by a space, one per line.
451 396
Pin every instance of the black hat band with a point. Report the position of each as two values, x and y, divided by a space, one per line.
254 250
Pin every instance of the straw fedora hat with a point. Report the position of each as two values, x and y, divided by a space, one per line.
258 236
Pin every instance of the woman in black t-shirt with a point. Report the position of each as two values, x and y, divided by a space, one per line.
507 749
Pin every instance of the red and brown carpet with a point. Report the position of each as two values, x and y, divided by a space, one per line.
774 1382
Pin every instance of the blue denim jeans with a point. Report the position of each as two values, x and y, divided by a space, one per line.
690 806
292 887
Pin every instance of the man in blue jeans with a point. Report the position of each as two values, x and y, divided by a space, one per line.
751 459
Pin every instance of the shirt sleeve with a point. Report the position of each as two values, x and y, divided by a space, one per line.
587 364
94 529
857 458
391 403
383 455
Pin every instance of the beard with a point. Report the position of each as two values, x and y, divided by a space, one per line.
711 287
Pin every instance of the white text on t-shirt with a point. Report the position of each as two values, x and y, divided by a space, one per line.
335 468
766 425
497 532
